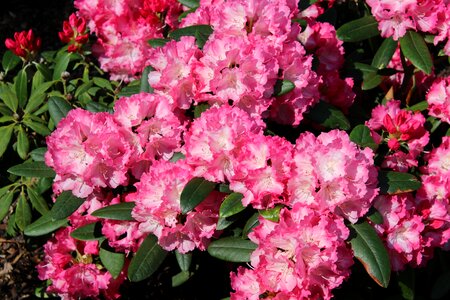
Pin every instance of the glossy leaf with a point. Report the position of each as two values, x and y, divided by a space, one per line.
23 145
190 3
145 85
5 133
406 282
6 199
9 97
38 154
89 232
58 108
251 223
9 61
370 251
44 225
184 260
231 205
421 106
200 108
155 43
415 49
328 116
23 212
121 211
181 278
391 182
232 249
32 169
37 127
195 191
272 214
384 54
360 135
358 30
147 259
62 61
21 87
112 261
200 32
65 205
37 201
283 87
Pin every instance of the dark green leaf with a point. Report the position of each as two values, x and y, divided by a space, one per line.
384 54
44 70
9 97
375 216
23 145
37 201
177 156
21 87
32 169
62 61
103 83
391 182
225 188
89 232
38 96
6 199
145 86
272 214
441 286
9 61
184 260
155 43
406 282
283 87
200 32
232 249
96 107
231 205
121 211
190 3
37 127
223 223
38 154
112 261
358 30
65 205
251 223
200 108
370 251
414 48
371 81
421 106
44 225
147 259
83 88
58 108
360 135
130 89
181 278
23 212
328 116
5 133
195 191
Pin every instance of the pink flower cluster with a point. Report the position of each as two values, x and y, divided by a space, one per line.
438 98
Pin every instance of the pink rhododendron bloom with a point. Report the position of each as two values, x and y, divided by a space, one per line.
438 98
332 174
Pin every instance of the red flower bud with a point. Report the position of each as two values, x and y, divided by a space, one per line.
24 44
74 33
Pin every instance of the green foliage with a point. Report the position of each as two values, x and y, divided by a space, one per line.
121 211
358 30
232 249
195 191
415 49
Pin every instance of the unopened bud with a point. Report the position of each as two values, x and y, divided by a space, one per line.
65 75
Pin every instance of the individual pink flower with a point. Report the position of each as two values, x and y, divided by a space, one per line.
438 98
74 33
25 44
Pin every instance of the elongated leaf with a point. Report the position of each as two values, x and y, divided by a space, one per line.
251 223
96 107
145 86
58 108
9 97
44 225
181 278
38 154
190 3
375 216
62 61
415 49
103 83
272 214
32 169
38 96
23 145
370 251
231 205
65 205
131 89
112 261
37 127
184 260
421 106
200 32
37 201
5 202
360 135
232 249
147 259
21 87
155 43
384 54
23 212
195 191
89 232
328 116
283 87
121 211
358 30
391 182
5 133
44 70
406 282
9 61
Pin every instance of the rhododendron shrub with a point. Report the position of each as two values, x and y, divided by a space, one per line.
258 133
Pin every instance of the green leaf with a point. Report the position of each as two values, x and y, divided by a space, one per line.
9 97
375 216
44 70
44 225
232 249
112 261
83 88
145 86
89 232
37 127
103 83
9 61
251 223
190 3
38 96
184 260
177 156
406 282
21 87
155 43
370 251
200 32
5 133
414 48
441 287
360 135
121 211
421 106
6 199
195 191
58 108
37 201
147 259
225 188
328 116
38 154
130 89
181 278
200 108
96 107
62 61
65 205
32 169
391 182
23 212
283 87
272 214
231 205
358 30
23 145
370 74
384 54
